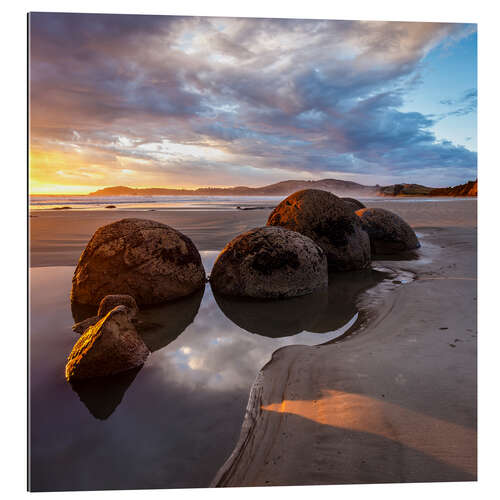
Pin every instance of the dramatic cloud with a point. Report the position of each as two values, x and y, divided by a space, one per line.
154 100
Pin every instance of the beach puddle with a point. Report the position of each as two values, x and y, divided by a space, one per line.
175 421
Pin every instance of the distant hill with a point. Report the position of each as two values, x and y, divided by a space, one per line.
467 189
405 190
284 188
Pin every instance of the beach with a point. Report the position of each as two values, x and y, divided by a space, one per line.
395 403
391 397
59 236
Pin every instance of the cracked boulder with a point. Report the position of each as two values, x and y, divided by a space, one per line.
330 223
146 259
269 262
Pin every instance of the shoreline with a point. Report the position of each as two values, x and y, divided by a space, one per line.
395 403
58 237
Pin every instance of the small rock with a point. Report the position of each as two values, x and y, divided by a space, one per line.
110 346
107 303
111 301
84 325
110 206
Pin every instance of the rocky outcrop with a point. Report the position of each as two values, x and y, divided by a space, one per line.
110 346
467 189
329 222
146 259
353 204
269 262
388 232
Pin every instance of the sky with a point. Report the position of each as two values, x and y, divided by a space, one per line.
187 102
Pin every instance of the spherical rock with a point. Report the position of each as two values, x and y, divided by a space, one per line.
329 222
146 259
388 232
353 204
269 262
111 346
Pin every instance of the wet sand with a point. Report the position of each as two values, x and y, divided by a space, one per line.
394 403
59 237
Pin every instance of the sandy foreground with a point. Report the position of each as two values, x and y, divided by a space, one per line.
396 402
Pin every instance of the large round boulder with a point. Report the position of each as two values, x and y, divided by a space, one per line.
269 262
329 222
353 204
146 259
111 346
388 232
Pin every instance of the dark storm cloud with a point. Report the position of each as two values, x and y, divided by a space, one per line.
314 96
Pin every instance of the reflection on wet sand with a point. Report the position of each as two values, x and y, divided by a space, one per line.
176 420
160 325
102 395
320 312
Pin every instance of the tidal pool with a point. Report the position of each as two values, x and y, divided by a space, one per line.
173 422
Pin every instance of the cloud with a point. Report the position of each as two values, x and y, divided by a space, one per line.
271 98
467 103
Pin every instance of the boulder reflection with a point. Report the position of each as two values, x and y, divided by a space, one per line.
320 312
102 395
160 325
82 311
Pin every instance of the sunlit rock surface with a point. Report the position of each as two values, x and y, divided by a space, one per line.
146 259
388 232
329 222
107 304
269 262
110 346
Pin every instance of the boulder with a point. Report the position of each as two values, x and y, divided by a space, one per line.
269 262
353 204
146 259
330 223
110 346
107 303
388 232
